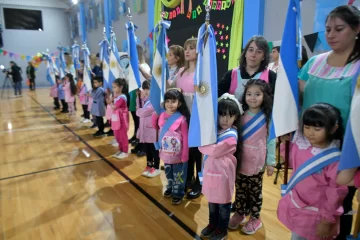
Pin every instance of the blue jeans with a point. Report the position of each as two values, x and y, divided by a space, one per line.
176 176
17 87
219 215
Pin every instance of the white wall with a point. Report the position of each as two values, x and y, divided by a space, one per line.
27 42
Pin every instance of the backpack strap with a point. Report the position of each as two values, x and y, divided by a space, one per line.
171 120
311 166
265 75
234 80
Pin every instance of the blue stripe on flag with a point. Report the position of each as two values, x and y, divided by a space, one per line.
350 157
133 53
285 107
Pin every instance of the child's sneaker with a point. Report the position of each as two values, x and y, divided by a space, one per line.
115 144
252 226
236 220
219 235
176 201
122 155
146 171
116 154
208 231
99 134
153 172
87 120
168 193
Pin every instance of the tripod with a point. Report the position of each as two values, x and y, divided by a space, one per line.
278 166
7 84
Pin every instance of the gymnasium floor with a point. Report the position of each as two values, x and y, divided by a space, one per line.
50 190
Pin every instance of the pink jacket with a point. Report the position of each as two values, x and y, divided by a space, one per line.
219 172
84 100
120 115
90 103
68 96
315 198
54 91
180 126
146 133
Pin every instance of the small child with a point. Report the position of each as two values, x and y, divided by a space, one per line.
220 164
176 60
147 134
98 105
70 93
54 92
311 205
120 117
62 96
84 101
173 143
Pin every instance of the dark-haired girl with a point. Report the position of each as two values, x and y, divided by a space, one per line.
254 61
311 206
70 91
173 143
256 154
219 171
327 77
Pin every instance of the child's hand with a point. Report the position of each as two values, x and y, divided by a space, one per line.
325 229
113 107
269 170
285 138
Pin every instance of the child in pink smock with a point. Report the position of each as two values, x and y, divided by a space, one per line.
256 153
173 143
311 205
54 93
219 170
147 134
120 117
70 93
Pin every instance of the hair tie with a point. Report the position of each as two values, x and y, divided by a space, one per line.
233 98
175 89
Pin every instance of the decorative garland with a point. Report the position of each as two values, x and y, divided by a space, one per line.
220 4
171 3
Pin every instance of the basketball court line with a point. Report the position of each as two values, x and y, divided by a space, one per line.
134 184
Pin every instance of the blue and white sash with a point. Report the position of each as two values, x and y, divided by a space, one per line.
313 165
252 126
123 96
166 128
221 137
146 103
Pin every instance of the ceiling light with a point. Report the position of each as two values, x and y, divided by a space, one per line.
75 1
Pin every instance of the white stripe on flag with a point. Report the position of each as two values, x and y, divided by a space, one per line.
206 113
157 70
87 80
355 116
131 79
114 65
284 104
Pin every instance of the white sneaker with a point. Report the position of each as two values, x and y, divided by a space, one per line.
87 120
117 154
146 171
115 144
153 173
82 121
122 155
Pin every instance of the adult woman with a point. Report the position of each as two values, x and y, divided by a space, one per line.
30 72
253 65
275 53
15 72
327 77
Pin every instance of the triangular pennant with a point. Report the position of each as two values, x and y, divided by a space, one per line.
11 54
28 58
5 52
311 40
1 51
22 57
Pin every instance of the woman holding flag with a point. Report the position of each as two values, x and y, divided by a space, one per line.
253 64
327 77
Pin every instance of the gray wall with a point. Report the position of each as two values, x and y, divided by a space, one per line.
27 42
94 36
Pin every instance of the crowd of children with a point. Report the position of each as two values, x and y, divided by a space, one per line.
310 207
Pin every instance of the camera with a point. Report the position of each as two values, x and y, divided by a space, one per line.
4 70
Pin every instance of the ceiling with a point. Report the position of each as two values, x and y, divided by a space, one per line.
38 3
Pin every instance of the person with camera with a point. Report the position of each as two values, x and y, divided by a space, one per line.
15 73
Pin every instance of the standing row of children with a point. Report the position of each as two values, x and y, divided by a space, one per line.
241 154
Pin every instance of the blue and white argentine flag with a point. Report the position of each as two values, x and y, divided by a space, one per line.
104 58
285 115
203 122
134 74
62 63
350 156
114 61
158 84
50 73
87 68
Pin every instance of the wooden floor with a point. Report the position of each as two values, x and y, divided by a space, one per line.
49 189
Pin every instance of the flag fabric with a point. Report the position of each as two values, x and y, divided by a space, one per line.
159 78
285 115
114 62
350 156
50 72
134 74
62 63
87 68
104 58
204 114
76 55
